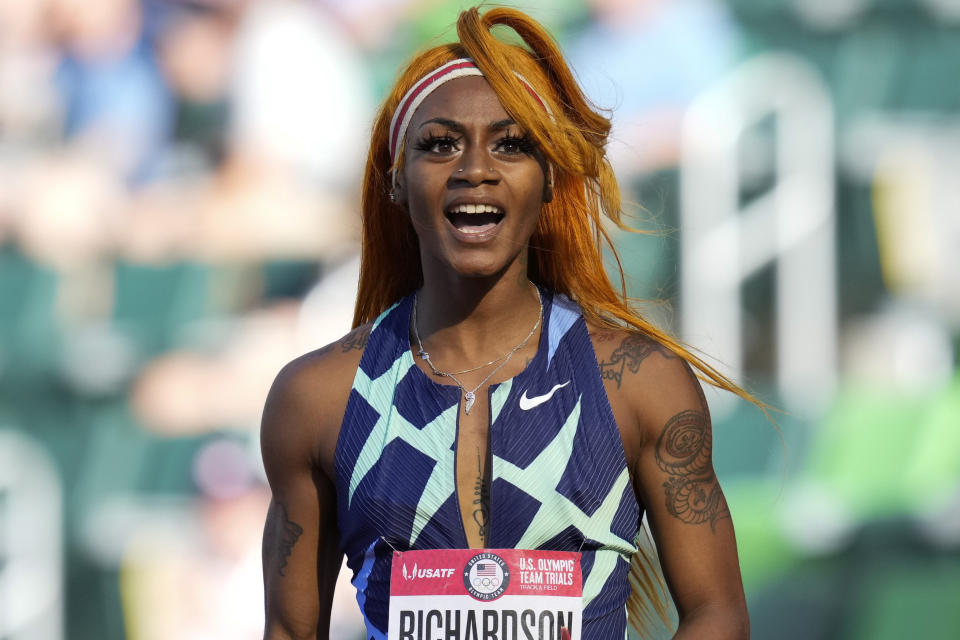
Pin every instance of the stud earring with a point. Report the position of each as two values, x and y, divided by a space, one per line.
393 196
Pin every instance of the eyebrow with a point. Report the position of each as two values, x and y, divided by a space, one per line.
456 126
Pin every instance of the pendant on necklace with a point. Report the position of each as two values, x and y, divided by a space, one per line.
469 398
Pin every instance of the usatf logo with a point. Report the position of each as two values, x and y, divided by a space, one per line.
486 576
425 572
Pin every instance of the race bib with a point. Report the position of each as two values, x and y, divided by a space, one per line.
485 594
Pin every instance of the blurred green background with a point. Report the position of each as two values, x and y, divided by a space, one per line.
178 218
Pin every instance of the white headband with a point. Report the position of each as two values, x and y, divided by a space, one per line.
426 85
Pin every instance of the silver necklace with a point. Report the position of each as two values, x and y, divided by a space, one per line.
479 366
469 396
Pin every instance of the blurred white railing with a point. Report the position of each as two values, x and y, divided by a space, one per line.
31 554
792 224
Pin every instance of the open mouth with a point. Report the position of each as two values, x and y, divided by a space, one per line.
474 218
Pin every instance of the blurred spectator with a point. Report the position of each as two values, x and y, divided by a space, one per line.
254 210
197 575
195 49
372 24
223 382
300 93
29 105
646 60
158 224
116 101
67 210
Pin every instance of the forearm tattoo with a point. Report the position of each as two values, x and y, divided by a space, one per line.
481 501
629 355
693 494
281 535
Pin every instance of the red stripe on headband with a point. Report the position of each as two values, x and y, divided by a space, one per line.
424 83
536 96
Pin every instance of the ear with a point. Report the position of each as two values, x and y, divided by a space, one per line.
548 185
398 192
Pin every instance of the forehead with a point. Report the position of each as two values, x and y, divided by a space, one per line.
465 100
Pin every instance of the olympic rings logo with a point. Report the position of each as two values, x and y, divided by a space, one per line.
486 583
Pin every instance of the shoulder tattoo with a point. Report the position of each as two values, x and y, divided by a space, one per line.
693 494
281 535
356 339
628 356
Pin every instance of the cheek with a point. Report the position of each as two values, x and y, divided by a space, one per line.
422 205
532 196
420 210
424 191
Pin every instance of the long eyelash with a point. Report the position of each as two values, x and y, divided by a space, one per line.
427 143
525 142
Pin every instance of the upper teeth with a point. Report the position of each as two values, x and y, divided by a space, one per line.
474 208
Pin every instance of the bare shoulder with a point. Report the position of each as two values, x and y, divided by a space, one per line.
315 377
624 354
646 381
308 398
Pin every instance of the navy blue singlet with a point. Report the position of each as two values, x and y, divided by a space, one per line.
559 477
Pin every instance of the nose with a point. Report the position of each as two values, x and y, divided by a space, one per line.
476 167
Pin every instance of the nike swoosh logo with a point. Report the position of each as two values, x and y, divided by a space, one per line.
529 403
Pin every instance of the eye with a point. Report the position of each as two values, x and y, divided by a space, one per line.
438 144
515 145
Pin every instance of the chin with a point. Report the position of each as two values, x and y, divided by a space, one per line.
477 267
477 272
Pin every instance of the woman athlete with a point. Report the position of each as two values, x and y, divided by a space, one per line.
496 391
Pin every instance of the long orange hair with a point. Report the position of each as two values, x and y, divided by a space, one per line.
566 250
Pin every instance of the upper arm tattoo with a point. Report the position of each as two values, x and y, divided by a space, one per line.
281 535
633 350
693 494
683 448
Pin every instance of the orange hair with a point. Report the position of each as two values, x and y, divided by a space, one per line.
566 249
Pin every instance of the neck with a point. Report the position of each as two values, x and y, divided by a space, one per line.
471 320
